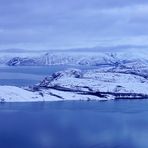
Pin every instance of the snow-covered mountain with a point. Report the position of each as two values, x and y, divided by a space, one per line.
78 58
121 62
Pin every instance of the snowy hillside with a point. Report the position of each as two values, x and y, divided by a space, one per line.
73 84
96 81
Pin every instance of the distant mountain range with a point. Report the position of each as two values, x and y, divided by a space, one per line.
129 60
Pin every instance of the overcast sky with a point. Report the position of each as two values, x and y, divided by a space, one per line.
49 24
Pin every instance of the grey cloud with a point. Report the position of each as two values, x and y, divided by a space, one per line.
70 22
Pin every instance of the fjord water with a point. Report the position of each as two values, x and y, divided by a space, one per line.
110 124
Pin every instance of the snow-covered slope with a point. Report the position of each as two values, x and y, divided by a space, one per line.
96 81
7 57
74 84
15 94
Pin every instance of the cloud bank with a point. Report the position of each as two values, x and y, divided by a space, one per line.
42 24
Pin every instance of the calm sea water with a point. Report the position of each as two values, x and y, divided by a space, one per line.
111 124
76 124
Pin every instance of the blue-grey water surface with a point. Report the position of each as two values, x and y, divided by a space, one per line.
110 124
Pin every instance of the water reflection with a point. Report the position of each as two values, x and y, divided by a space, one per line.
112 124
